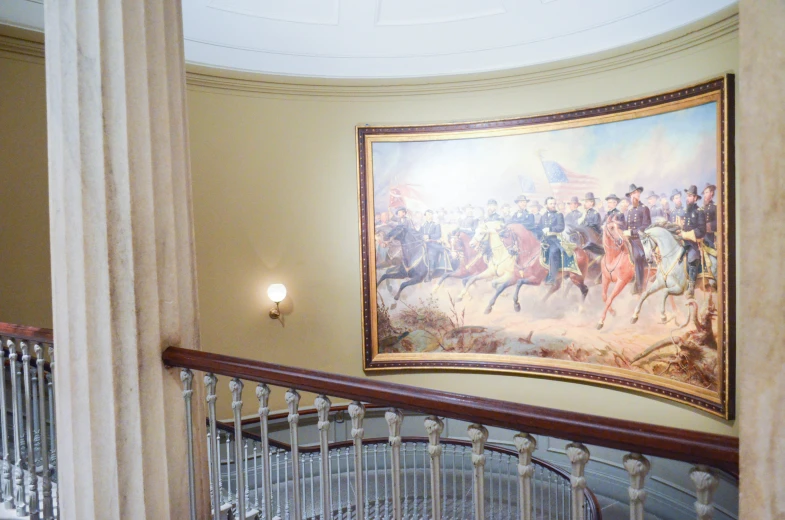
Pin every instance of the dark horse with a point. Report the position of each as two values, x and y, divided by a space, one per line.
469 260
420 259
521 243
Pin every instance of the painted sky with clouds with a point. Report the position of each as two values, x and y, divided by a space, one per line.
661 152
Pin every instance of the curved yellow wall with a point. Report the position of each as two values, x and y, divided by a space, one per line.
275 199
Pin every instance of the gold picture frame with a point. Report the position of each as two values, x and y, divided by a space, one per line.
447 167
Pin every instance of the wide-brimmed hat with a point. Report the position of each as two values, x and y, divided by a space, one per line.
633 189
590 196
521 198
613 196
674 193
533 201
710 186
652 195
574 200
693 190
400 208
663 196
492 201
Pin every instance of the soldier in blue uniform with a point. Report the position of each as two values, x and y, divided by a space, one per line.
654 208
613 212
637 219
402 217
592 217
677 212
710 208
469 222
574 215
552 225
523 217
432 235
692 231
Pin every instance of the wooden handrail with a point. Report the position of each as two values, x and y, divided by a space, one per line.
26 333
719 451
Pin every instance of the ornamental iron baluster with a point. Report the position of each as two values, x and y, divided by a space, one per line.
7 482
638 467
434 427
187 378
394 418
579 456
263 395
706 482
322 404
357 413
46 482
19 488
293 403
478 434
236 387
525 444
210 382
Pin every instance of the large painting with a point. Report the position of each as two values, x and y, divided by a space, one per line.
592 245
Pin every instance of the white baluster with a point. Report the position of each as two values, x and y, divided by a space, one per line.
478 434
19 488
706 482
357 413
322 404
525 444
579 456
434 427
7 482
50 384
638 467
263 395
236 387
187 377
215 451
293 402
394 418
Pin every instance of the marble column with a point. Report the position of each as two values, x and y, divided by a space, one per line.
123 268
760 185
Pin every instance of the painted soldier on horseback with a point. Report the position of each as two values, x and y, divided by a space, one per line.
637 219
692 231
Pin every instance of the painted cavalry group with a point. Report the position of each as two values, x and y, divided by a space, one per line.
664 246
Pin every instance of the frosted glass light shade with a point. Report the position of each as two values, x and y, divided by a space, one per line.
276 292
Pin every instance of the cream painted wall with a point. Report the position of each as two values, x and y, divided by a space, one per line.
25 282
275 199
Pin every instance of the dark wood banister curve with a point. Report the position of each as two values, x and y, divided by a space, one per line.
23 332
719 451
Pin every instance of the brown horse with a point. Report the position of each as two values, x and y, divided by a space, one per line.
529 271
470 261
616 267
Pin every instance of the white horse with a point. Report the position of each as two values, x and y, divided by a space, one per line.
671 267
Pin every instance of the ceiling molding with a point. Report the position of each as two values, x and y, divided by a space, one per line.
20 43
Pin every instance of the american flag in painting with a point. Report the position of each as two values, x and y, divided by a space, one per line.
565 183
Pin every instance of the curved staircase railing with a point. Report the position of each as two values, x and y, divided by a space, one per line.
28 480
708 452
551 485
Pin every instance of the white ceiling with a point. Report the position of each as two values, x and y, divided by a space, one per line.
406 38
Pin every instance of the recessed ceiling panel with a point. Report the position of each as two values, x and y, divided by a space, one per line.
325 12
407 38
414 12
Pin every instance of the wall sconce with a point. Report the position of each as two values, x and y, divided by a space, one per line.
276 292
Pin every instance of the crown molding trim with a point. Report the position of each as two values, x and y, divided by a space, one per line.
723 26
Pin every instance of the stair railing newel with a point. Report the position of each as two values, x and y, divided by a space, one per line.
525 444
706 482
357 413
323 404
263 395
579 456
6 483
293 402
187 378
638 467
32 480
210 382
478 434
19 488
434 428
236 387
394 418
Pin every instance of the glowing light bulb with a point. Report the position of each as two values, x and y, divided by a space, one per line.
276 292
